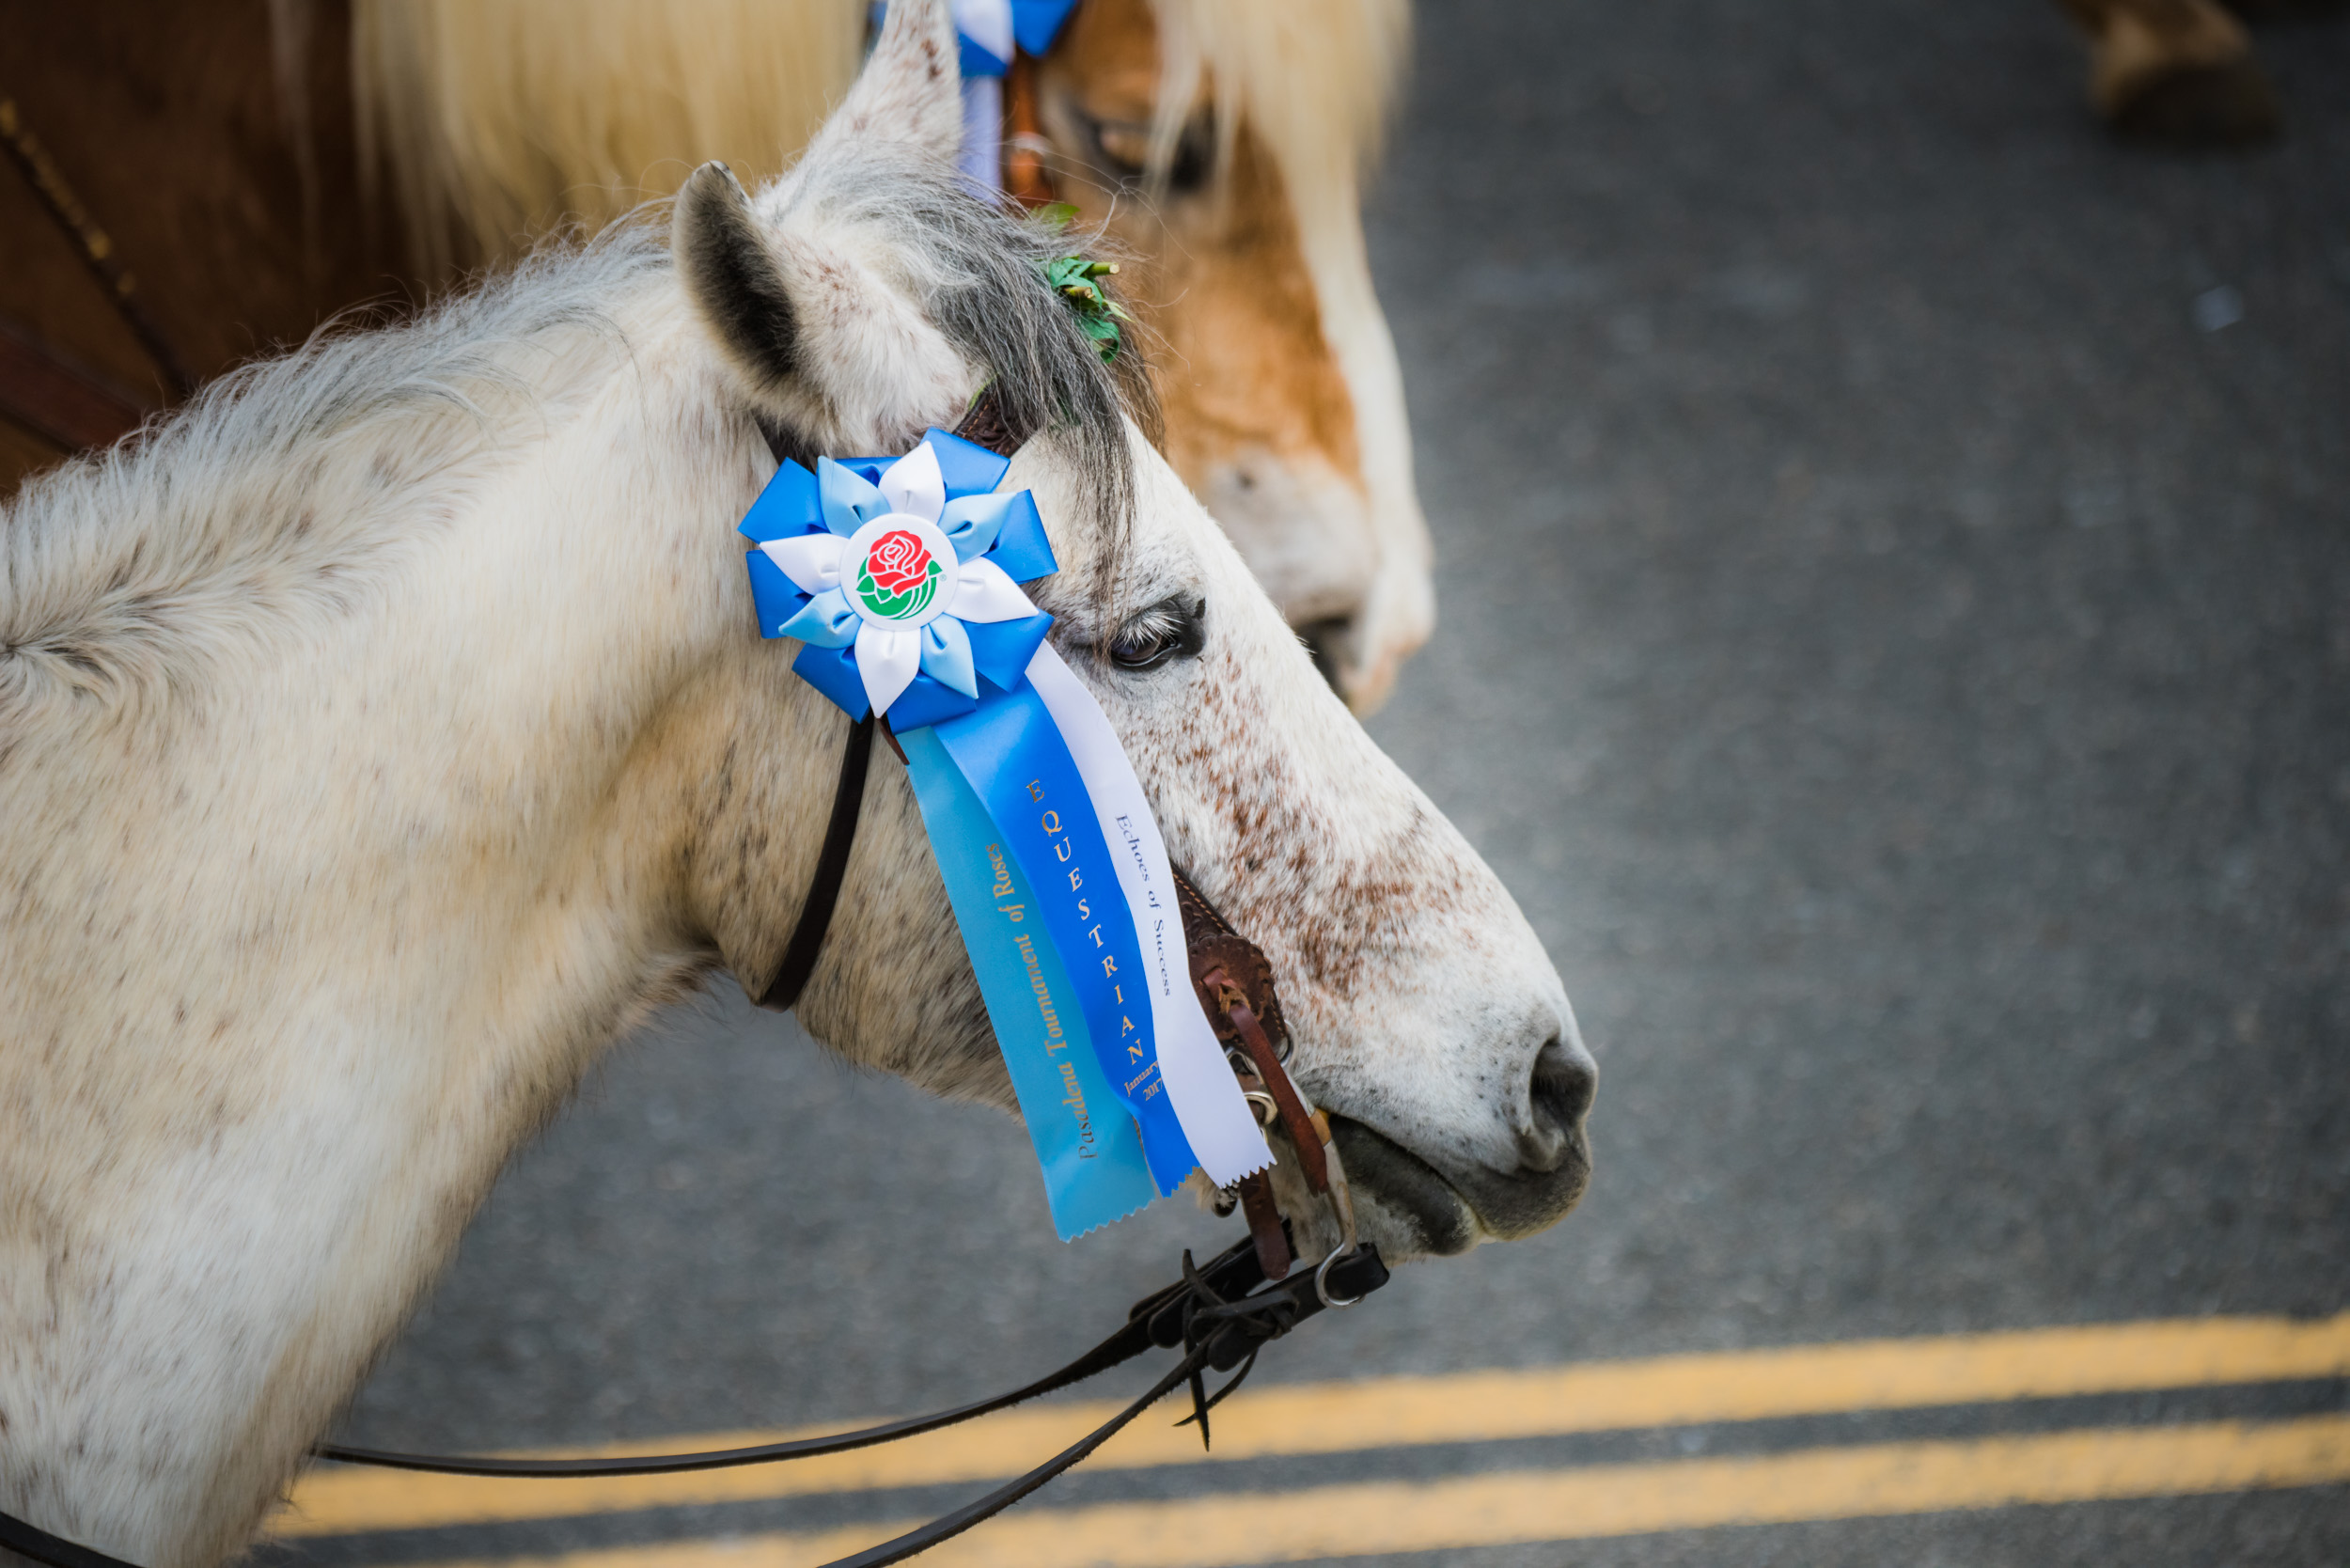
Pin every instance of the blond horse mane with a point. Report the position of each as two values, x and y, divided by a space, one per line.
496 119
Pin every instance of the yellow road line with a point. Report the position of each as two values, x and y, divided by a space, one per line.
1232 1529
1337 1418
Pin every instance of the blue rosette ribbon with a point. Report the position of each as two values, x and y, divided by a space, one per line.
902 578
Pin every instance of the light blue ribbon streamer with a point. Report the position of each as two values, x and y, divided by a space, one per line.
1012 755
1085 1141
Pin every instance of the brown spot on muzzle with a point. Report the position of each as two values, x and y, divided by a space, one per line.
1327 919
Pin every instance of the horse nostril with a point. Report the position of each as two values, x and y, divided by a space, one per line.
1559 1098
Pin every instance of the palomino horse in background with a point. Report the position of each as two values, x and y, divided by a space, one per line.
383 732
227 151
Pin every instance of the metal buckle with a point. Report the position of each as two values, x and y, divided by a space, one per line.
1321 1281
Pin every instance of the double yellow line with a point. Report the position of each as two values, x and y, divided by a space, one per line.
1491 1509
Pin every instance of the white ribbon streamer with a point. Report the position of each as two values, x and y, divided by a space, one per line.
1199 1086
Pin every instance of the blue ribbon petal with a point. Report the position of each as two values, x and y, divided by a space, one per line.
832 671
849 500
968 468
928 701
971 524
1000 650
827 621
1036 22
788 506
1022 548
947 654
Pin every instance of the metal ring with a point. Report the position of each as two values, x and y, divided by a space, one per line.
1269 1109
1321 1281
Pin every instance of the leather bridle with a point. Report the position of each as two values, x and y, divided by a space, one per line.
1220 1314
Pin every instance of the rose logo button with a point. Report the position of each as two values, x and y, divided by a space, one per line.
899 576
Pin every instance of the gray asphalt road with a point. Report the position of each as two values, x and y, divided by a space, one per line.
1895 555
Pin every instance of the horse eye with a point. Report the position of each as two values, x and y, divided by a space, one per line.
1123 150
1172 629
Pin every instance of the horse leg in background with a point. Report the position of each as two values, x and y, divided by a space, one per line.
2179 71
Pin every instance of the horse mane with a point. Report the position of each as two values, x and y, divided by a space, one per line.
266 497
497 119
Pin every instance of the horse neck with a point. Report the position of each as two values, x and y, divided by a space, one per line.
315 956
536 661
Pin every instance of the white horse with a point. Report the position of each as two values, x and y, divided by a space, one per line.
384 735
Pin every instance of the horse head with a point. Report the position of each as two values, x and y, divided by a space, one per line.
1220 144
861 298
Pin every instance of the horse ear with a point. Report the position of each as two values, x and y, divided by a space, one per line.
911 89
735 280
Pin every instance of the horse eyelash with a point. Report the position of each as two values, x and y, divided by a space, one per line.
1171 629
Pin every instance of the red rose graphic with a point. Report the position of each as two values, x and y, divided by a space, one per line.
898 563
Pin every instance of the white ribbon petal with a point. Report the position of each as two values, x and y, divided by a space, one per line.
812 561
983 593
915 485
1202 1088
887 662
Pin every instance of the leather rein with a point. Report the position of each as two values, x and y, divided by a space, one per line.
1219 1314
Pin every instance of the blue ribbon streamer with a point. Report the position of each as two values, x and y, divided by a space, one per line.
1086 1143
1015 761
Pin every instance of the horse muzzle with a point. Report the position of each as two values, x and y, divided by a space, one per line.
1450 1208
